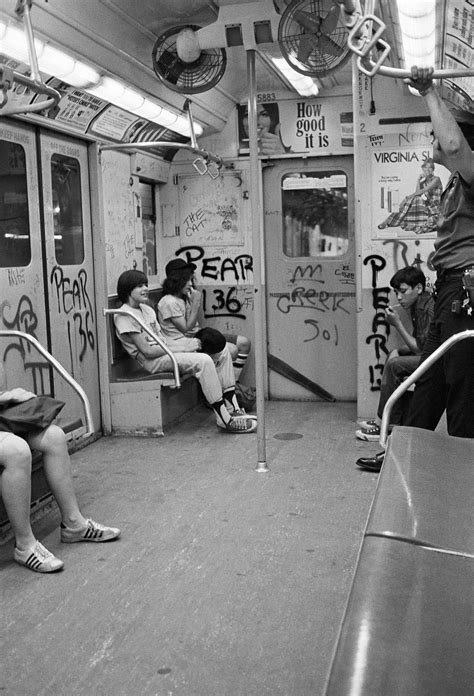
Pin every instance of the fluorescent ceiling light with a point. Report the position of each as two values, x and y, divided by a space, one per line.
14 43
148 110
108 89
115 92
55 62
52 61
303 84
418 29
182 124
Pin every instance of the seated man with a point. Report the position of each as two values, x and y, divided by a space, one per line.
409 285
15 460
182 298
215 374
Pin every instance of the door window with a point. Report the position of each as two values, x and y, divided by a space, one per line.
148 215
315 214
67 210
15 247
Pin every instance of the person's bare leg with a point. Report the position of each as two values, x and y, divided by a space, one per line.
57 466
15 458
52 443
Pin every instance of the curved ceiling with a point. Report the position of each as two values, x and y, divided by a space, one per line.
119 35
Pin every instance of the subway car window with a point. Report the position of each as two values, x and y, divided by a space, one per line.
148 215
15 246
67 210
315 214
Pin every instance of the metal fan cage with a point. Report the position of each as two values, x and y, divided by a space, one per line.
312 53
187 78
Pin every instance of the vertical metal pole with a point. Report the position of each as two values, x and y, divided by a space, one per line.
23 7
259 296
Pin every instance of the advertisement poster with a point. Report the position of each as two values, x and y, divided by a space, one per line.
310 126
77 109
458 53
407 185
113 123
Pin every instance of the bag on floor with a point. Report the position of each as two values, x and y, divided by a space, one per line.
246 396
29 416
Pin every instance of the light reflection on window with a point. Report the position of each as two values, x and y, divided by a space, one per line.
67 210
315 214
15 246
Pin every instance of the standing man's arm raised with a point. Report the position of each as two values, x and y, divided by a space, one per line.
451 147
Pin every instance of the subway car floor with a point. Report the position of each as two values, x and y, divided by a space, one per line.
225 582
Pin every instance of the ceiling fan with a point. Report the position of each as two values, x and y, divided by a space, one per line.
311 35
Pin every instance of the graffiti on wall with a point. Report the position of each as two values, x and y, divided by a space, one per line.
227 302
16 276
399 254
214 214
24 318
227 269
236 301
73 302
403 254
309 293
377 339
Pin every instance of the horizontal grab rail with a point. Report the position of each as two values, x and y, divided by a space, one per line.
33 81
163 345
411 379
38 87
362 39
62 371
165 143
403 73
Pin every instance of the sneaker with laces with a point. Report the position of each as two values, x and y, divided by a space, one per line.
239 425
242 412
38 558
371 434
93 532
367 423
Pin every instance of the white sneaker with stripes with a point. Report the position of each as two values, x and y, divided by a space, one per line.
93 532
38 558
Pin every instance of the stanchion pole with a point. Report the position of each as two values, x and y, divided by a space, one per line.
259 296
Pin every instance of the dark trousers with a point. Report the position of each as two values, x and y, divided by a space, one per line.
449 383
396 370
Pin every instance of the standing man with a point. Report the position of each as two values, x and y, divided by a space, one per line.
449 383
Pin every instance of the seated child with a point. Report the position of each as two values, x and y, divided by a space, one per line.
179 308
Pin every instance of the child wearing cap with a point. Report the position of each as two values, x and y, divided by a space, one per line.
215 374
179 308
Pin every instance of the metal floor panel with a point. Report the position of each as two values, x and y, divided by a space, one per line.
226 582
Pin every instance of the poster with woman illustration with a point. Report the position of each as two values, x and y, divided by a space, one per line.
268 130
408 185
311 126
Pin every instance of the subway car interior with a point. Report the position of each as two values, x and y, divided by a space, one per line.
273 148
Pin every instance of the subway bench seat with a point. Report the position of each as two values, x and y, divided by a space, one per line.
143 404
408 627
